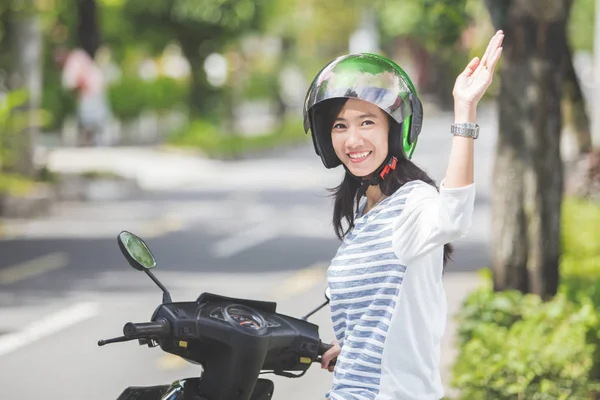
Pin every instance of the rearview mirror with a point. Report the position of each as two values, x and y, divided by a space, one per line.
135 251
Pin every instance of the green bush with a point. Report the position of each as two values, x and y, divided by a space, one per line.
132 95
514 346
14 184
260 85
484 308
207 137
13 120
581 228
545 354
58 102
128 98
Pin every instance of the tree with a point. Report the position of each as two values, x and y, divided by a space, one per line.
528 171
23 40
301 26
431 30
575 114
580 30
201 27
88 31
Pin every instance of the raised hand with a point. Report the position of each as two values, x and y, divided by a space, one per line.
472 83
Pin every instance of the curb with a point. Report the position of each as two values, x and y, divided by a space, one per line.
6 231
33 204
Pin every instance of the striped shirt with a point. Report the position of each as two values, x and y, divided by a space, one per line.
388 306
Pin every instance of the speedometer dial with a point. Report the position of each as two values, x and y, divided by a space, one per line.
244 317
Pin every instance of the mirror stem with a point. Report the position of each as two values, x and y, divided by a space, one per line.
166 295
166 298
314 311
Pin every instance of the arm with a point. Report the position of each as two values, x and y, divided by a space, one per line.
431 219
460 164
469 88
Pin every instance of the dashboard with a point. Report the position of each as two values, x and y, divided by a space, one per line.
243 317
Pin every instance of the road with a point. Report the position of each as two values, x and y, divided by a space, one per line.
64 283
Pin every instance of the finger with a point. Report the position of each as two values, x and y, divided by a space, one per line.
494 60
330 369
326 359
492 45
471 67
487 50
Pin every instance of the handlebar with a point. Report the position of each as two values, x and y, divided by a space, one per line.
323 347
140 330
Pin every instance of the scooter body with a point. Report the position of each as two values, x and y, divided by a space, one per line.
234 340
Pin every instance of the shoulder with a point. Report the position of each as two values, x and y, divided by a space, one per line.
414 192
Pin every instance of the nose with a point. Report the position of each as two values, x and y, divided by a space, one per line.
354 139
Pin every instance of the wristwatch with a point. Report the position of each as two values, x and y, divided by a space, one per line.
466 129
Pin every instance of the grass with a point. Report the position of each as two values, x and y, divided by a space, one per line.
15 184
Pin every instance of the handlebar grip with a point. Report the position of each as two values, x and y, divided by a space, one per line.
323 347
139 330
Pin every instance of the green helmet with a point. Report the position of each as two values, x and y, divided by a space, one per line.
374 79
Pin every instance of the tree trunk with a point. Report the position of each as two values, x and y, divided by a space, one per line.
287 49
528 173
26 72
88 31
5 62
204 98
575 115
574 107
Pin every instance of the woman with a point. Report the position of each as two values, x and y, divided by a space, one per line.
81 73
388 305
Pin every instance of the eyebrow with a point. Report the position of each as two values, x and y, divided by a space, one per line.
366 115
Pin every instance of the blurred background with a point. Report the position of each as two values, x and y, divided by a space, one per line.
181 121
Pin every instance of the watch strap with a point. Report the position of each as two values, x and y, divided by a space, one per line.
466 129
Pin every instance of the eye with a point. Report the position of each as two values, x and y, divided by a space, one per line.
339 126
368 122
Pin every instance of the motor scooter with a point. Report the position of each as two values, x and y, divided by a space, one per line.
233 340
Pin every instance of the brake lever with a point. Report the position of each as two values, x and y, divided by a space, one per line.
147 342
113 340
290 375
331 363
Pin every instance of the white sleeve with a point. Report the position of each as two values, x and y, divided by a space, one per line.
431 219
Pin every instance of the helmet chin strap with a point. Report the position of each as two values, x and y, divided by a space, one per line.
378 176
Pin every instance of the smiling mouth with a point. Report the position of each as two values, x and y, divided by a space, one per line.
359 157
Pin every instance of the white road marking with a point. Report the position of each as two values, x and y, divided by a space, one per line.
303 280
36 266
47 326
171 362
160 227
237 243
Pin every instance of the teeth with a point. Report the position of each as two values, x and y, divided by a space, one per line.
359 155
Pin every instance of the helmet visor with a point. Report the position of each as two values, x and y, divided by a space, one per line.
365 77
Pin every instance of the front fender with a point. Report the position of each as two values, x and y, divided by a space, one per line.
144 392
178 390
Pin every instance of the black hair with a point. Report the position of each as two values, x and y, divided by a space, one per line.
346 192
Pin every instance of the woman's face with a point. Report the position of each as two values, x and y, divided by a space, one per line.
360 137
